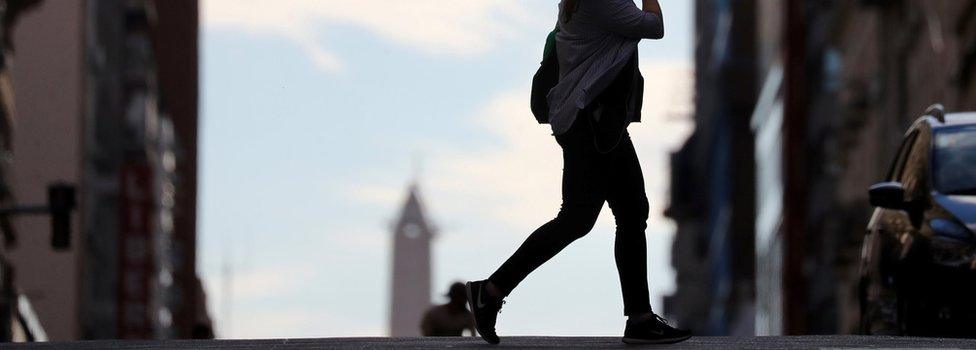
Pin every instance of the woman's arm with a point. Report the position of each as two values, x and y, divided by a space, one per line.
622 17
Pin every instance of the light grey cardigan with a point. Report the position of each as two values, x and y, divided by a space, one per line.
592 48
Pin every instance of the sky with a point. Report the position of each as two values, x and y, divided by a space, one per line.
318 114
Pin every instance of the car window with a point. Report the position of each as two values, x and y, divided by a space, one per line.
954 160
915 168
895 172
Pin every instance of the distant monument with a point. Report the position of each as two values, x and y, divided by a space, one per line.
410 292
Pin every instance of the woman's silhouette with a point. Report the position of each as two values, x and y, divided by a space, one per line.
598 93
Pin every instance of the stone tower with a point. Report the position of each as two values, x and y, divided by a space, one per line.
410 292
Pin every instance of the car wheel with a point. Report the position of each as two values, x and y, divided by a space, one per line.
879 309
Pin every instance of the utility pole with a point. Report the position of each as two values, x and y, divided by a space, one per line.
795 191
740 84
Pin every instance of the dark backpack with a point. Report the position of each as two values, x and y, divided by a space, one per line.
545 79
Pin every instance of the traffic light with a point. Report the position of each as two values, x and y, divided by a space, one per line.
61 201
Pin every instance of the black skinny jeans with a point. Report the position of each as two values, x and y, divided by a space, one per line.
589 179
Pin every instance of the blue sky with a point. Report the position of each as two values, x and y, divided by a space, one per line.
317 115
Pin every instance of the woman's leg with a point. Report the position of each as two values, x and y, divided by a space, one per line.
543 244
628 201
584 191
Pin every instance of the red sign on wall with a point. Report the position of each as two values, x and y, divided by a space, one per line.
135 252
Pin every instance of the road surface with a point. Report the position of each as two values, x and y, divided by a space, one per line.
725 343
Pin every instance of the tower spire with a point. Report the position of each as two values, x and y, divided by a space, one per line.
410 292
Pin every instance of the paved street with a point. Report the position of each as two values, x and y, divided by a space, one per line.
805 342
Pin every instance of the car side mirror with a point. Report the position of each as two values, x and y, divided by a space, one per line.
888 195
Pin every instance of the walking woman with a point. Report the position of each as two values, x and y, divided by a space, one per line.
598 93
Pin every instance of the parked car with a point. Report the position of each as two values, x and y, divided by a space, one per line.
918 262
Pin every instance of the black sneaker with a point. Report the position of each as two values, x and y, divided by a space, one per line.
653 330
485 309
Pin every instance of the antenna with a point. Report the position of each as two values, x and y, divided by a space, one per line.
227 285
418 168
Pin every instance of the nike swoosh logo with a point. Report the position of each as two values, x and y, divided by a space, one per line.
480 303
658 332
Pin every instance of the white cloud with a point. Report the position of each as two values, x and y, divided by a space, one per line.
512 186
500 194
274 324
432 26
493 196
253 287
267 282
373 194
299 297
518 183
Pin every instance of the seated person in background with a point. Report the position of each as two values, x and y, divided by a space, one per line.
451 319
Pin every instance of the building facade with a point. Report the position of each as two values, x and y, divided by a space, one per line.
47 79
833 86
712 190
108 94
12 311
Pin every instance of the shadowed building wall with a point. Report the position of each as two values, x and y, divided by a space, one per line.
860 72
712 181
175 39
48 78
873 66
108 102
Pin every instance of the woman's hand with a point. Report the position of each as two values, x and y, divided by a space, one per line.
652 6
624 18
